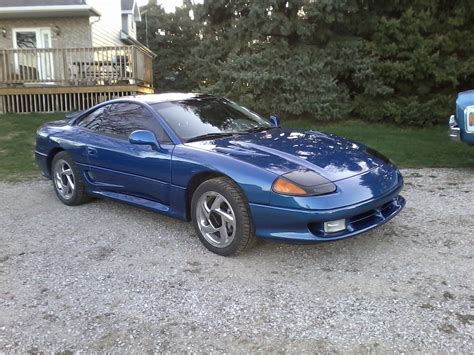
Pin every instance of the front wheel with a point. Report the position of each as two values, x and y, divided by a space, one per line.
221 217
67 181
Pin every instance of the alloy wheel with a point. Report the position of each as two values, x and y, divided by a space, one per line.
64 179
216 219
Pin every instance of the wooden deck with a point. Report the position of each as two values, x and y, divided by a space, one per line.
63 98
68 79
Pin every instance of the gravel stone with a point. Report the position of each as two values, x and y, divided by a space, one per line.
110 277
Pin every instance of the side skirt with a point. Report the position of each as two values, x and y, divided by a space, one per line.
171 211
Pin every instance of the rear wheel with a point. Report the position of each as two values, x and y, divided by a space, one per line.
67 181
221 217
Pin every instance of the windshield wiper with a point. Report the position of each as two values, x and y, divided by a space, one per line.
256 129
209 136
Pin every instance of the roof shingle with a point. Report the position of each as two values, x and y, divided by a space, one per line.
19 3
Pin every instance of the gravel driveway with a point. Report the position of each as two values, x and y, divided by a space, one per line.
106 276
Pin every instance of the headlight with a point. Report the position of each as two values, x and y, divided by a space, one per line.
303 183
469 114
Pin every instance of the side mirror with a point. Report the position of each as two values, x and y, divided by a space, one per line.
143 137
275 120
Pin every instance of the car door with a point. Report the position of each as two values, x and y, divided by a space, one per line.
119 167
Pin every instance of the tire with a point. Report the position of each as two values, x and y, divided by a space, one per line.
67 180
221 217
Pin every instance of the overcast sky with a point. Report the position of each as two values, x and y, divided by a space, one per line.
168 5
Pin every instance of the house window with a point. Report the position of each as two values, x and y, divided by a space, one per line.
26 39
31 38
30 63
46 38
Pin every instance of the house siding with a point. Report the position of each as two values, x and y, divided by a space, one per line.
74 31
129 25
106 31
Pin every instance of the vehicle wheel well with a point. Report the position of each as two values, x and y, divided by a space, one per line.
51 155
195 181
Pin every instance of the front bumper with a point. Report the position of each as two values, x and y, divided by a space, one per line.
454 131
307 225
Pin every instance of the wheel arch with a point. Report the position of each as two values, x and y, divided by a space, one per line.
51 154
197 180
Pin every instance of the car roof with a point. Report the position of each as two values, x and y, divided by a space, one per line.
158 98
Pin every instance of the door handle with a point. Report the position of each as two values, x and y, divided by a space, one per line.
91 151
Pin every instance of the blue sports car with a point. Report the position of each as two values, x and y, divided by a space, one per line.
234 174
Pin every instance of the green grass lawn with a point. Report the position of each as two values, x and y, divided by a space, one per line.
17 144
407 147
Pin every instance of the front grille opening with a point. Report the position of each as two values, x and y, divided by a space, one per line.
366 221
388 208
358 222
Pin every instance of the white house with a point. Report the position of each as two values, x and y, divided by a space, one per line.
63 55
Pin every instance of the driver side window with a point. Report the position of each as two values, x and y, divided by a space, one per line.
120 119
94 120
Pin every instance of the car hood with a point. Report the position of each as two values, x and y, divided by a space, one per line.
284 150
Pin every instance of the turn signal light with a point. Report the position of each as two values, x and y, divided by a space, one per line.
286 187
471 119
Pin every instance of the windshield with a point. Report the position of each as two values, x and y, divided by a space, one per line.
208 116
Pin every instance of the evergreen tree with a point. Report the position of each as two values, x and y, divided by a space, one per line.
424 55
389 60
260 53
171 36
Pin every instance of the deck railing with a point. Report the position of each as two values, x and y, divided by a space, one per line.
76 66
